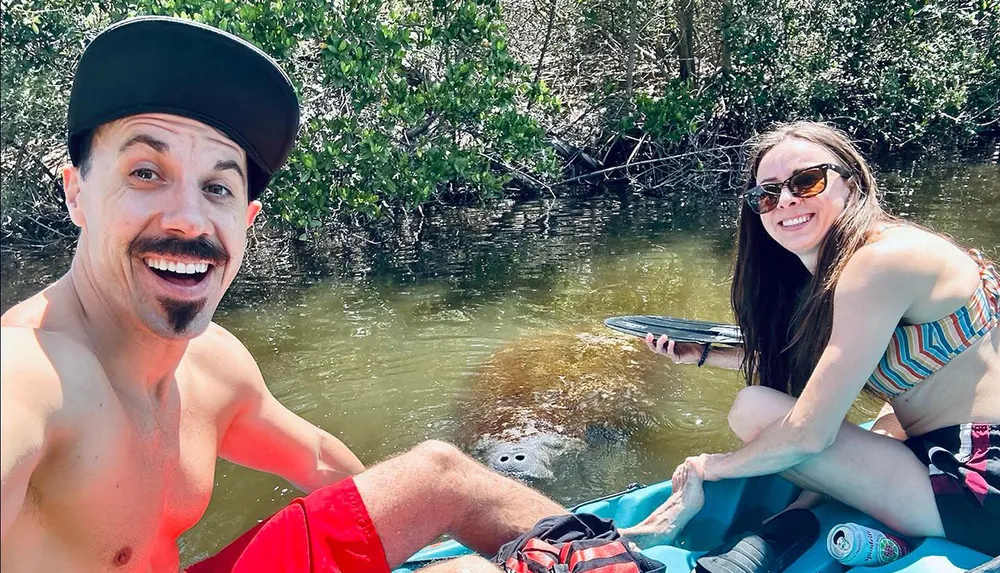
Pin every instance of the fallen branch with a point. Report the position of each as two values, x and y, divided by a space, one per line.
522 177
648 161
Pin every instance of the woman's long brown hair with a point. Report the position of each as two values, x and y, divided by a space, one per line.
785 313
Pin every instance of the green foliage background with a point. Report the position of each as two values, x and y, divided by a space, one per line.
402 103
897 72
429 101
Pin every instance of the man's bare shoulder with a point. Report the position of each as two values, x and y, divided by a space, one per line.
219 349
27 313
54 309
223 358
51 373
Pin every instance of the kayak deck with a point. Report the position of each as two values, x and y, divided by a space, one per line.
734 506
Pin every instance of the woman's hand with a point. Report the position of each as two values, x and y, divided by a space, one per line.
696 464
678 352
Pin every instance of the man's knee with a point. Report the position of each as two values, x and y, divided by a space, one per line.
755 408
441 456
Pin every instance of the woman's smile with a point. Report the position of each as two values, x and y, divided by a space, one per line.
796 223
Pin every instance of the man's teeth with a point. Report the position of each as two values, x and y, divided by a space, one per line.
176 267
795 221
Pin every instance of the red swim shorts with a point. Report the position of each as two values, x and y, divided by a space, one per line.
327 531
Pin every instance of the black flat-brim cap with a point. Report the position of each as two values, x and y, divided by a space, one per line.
180 67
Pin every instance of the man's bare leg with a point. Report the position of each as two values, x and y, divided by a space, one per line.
666 522
435 489
467 564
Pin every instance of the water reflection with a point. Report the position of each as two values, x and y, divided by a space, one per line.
380 346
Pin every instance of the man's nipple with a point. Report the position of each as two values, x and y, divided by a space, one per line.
123 556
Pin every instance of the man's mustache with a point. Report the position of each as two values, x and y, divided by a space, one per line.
201 248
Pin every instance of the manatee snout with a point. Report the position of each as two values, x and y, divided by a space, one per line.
541 405
528 459
522 462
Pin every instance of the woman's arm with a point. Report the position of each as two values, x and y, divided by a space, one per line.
691 352
730 357
877 287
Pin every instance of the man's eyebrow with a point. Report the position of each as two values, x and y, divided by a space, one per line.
158 146
230 164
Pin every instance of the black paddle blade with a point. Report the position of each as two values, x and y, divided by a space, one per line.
679 329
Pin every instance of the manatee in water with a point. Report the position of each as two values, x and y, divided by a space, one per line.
545 398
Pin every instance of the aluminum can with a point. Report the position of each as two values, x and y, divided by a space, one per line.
856 545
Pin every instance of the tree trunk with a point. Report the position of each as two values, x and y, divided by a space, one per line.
545 43
726 55
685 36
633 31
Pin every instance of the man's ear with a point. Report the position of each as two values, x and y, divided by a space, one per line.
71 188
253 209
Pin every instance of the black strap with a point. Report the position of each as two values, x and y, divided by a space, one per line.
704 355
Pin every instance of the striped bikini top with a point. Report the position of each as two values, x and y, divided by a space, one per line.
918 350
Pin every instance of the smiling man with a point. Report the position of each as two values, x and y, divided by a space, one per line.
119 393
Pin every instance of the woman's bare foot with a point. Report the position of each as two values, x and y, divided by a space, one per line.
667 521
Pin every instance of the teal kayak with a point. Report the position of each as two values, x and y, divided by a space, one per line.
735 506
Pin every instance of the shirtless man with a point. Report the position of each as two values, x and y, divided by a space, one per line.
118 392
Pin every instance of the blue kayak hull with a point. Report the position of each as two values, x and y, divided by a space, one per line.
734 506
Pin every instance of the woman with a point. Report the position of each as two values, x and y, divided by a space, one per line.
834 297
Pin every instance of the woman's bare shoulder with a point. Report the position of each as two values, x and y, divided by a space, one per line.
911 249
938 273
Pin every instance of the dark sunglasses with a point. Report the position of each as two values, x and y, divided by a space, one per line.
804 183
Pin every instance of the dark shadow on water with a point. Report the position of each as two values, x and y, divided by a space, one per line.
483 252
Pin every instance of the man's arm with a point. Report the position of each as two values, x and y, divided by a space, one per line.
22 435
27 379
266 436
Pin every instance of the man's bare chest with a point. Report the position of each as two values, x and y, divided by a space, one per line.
133 482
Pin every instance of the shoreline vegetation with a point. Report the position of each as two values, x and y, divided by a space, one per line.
423 104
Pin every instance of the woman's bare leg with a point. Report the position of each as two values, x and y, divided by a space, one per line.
873 473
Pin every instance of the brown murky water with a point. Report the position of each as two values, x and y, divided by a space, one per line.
382 351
